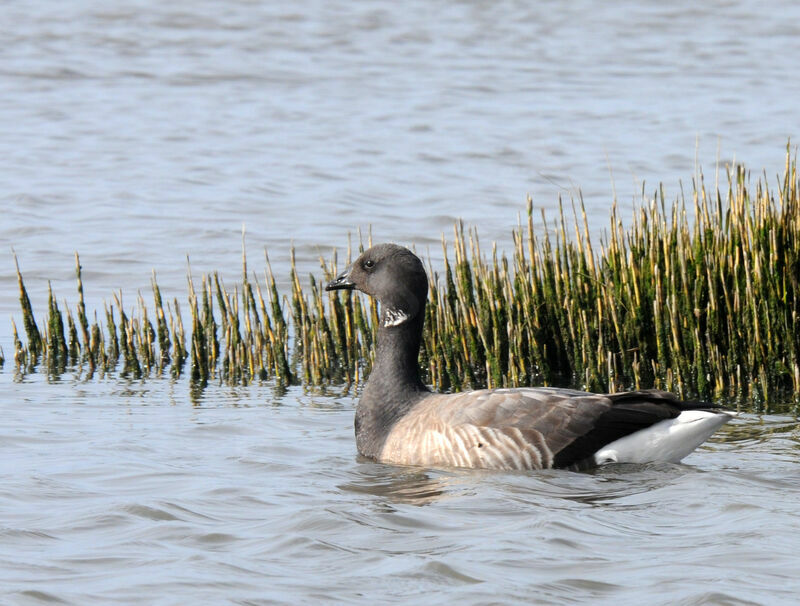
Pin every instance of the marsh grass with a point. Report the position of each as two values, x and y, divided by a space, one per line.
697 296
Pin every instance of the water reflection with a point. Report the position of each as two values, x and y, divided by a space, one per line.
560 489
398 485
420 487
755 429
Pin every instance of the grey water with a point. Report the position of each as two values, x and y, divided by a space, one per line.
143 133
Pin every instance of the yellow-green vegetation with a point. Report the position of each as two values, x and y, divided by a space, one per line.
698 296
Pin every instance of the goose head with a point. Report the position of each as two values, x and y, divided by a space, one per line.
394 276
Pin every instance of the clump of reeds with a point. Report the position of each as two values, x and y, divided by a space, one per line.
697 296
333 335
126 340
704 306
246 340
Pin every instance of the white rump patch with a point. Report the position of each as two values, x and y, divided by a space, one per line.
395 317
668 441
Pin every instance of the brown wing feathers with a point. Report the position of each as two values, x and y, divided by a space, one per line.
523 428
507 428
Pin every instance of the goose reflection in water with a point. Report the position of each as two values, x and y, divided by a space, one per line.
399 485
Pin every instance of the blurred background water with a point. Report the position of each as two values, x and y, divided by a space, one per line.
138 134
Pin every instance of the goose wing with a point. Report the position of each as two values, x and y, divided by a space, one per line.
526 428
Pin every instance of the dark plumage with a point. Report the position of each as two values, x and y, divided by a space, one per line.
399 420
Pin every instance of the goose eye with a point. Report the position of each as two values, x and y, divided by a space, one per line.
369 264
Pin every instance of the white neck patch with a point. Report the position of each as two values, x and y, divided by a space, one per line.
394 317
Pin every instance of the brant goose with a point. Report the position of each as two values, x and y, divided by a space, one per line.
399 420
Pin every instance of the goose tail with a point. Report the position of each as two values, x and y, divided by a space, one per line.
668 440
